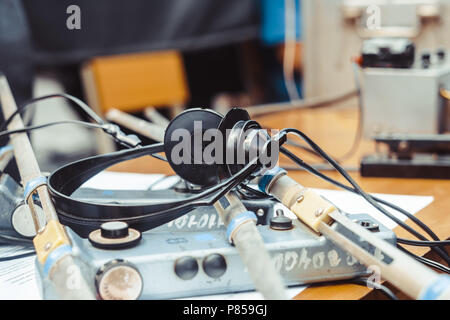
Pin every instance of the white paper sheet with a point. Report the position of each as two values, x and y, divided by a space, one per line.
18 280
130 181
17 277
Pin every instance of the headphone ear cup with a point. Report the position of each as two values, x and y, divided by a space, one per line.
184 146
228 122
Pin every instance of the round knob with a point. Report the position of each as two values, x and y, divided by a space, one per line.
214 265
114 235
280 221
114 230
441 54
186 268
22 220
426 56
426 59
118 280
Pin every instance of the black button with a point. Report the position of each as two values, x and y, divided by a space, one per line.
426 59
114 230
214 265
186 268
280 221
426 56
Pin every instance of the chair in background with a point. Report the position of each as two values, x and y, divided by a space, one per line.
132 82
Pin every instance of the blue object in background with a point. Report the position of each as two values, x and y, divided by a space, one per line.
272 20
272 34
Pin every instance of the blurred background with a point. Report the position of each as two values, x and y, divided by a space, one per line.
177 54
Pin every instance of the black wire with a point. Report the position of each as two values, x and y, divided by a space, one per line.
321 167
223 188
256 193
377 286
6 122
430 263
359 129
358 281
82 123
212 193
305 148
164 177
300 162
12 240
354 190
18 256
220 190
77 102
372 200
426 261
16 240
23 241
244 195
356 187
157 156
424 243
227 184
31 113
45 125
381 201
312 170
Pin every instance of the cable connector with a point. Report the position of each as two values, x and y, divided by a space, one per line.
128 140
32 185
312 209
306 204
280 138
237 221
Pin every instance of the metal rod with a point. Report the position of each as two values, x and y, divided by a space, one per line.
252 250
38 227
401 270
23 152
311 103
29 170
157 118
143 127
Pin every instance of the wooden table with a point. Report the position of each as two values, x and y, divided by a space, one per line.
334 129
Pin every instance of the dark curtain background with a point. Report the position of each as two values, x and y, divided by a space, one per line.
116 26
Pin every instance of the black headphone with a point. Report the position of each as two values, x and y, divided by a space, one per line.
217 179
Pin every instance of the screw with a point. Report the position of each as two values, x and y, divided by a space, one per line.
260 212
368 225
365 224
403 146
48 245
319 212
300 199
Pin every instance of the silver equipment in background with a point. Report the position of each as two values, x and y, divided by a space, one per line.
402 92
333 31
